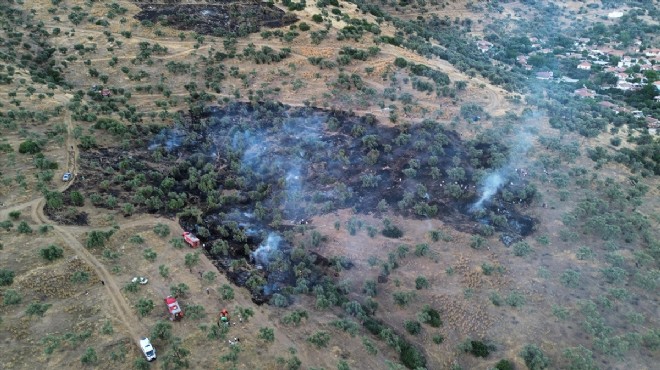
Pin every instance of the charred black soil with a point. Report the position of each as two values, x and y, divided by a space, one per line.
257 173
220 18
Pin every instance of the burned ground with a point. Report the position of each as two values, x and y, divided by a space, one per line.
259 170
238 17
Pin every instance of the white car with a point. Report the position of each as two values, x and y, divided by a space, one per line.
67 176
147 349
140 279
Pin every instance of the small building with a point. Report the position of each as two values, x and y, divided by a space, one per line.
584 93
106 92
544 75
657 85
484 46
585 66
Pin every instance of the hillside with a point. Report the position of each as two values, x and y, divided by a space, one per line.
376 185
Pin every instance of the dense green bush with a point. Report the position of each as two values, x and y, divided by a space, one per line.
29 147
534 358
51 253
6 277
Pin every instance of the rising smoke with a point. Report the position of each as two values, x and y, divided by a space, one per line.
495 180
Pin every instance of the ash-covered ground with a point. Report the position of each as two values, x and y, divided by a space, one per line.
218 19
258 172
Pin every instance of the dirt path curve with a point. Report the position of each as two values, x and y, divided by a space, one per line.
124 311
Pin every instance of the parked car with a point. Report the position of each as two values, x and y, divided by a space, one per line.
140 279
67 176
147 349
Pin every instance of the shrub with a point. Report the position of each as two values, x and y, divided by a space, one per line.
162 230
144 306
430 316
51 253
38 309
438 339
579 358
162 330
191 259
522 249
90 357
132 287
164 271
319 339
534 358
278 300
80 277
410 356
477 348
14 215
6 277
412 326
179 290
195 312
226 292
318 18
11 297
150 255
295 317
504 365
97 238
29 147
403 298
24 228
477 242
177 243
570 278
421 283
515 299
107 328
267 334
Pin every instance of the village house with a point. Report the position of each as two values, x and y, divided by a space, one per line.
584 93
652 53
484 46
544 75
585 66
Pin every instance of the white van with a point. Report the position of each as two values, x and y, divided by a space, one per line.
147 349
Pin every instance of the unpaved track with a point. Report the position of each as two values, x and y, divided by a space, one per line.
124 312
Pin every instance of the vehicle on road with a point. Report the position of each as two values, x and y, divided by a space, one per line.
67 176
147 349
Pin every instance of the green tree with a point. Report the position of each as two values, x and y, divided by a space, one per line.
144 306
38 309
191 259
579 358
150 255
162 330
51 253
164 271
267 334
226 292
176 356
89 357
180 290
24 228
534 358
162 230
6 277
11 297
